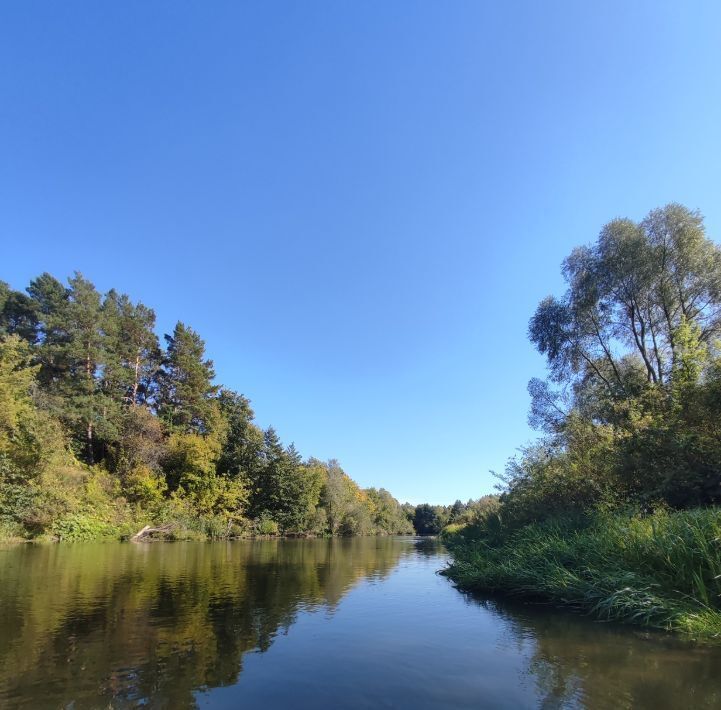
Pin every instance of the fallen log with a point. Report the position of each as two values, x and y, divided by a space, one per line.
148 530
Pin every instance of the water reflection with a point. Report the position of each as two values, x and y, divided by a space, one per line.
428 546
576 662
359 623
91 624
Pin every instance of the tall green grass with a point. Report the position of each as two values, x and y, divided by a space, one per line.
662 570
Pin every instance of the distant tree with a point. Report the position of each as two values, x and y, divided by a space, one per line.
456 511
387 515
338 496
426 520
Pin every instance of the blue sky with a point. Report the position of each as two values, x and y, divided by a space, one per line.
357 205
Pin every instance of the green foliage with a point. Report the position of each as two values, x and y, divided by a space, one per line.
186 383
633 347
16 496
282 487
78 527
242 448
662 570
17 377
632 422
266 526
143 486
18 314
132 350
426 520
386 513
102 433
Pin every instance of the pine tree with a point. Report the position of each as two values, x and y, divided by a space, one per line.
133 353
186 389
18 315
243 446
85 351
71 352
50 299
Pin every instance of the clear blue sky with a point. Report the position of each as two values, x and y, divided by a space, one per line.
357 205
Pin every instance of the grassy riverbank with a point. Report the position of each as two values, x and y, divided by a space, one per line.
661 571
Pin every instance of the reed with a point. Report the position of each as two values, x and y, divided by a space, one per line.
661 570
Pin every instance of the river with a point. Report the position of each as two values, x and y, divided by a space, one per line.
344 623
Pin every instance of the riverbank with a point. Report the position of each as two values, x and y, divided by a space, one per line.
162 534
661 571
82 528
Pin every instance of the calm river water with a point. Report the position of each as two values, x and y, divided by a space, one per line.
356 623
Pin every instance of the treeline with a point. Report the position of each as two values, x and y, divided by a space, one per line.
430 519
630 416
103 430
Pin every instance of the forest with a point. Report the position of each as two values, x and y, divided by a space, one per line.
614 509
105 431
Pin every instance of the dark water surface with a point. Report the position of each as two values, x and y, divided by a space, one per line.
358 623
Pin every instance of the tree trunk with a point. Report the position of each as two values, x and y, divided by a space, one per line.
135 381
147 530
91 454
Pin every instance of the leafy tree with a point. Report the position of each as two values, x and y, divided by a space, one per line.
190 466
17 377
631 347
32 444
386 513
456 511
634 287
138 455
338 496
426 520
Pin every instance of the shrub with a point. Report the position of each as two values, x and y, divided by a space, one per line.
79 527
266 526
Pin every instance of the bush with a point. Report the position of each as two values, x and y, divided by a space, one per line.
79 527
266 526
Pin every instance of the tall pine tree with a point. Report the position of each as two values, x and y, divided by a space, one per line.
187 393
133 353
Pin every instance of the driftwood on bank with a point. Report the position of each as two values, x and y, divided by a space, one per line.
148 530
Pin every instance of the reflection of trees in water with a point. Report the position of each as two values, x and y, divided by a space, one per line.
576 662
101 623
428 546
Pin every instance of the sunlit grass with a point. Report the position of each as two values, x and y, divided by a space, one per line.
661 570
